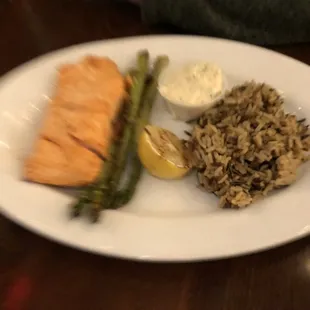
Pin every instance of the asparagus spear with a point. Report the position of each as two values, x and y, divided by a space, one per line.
97 193
125 195
124 147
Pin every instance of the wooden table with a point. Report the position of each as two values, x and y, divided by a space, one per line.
37 274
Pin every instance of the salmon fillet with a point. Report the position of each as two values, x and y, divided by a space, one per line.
78 124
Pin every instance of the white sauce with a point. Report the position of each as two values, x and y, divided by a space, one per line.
194 84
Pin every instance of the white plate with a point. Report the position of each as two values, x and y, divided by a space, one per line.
167 221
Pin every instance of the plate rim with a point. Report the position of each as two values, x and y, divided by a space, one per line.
147 259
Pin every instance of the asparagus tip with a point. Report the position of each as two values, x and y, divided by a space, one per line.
163 59
143 53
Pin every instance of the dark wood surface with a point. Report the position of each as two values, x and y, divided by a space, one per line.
39 274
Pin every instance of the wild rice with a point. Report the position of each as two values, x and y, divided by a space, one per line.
246 145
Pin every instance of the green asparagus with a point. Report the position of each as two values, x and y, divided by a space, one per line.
98 191
126 194
135 98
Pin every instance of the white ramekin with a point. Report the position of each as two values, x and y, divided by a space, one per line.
180 110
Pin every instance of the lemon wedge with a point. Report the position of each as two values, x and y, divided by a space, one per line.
161 153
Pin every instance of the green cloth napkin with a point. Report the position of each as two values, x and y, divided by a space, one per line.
264 22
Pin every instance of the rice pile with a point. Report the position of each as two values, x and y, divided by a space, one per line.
246 145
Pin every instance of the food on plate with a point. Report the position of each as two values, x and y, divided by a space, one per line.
162 153
105 192
191 89
77 126
247 145
97 122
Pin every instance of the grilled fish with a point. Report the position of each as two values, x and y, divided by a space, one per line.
78 124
